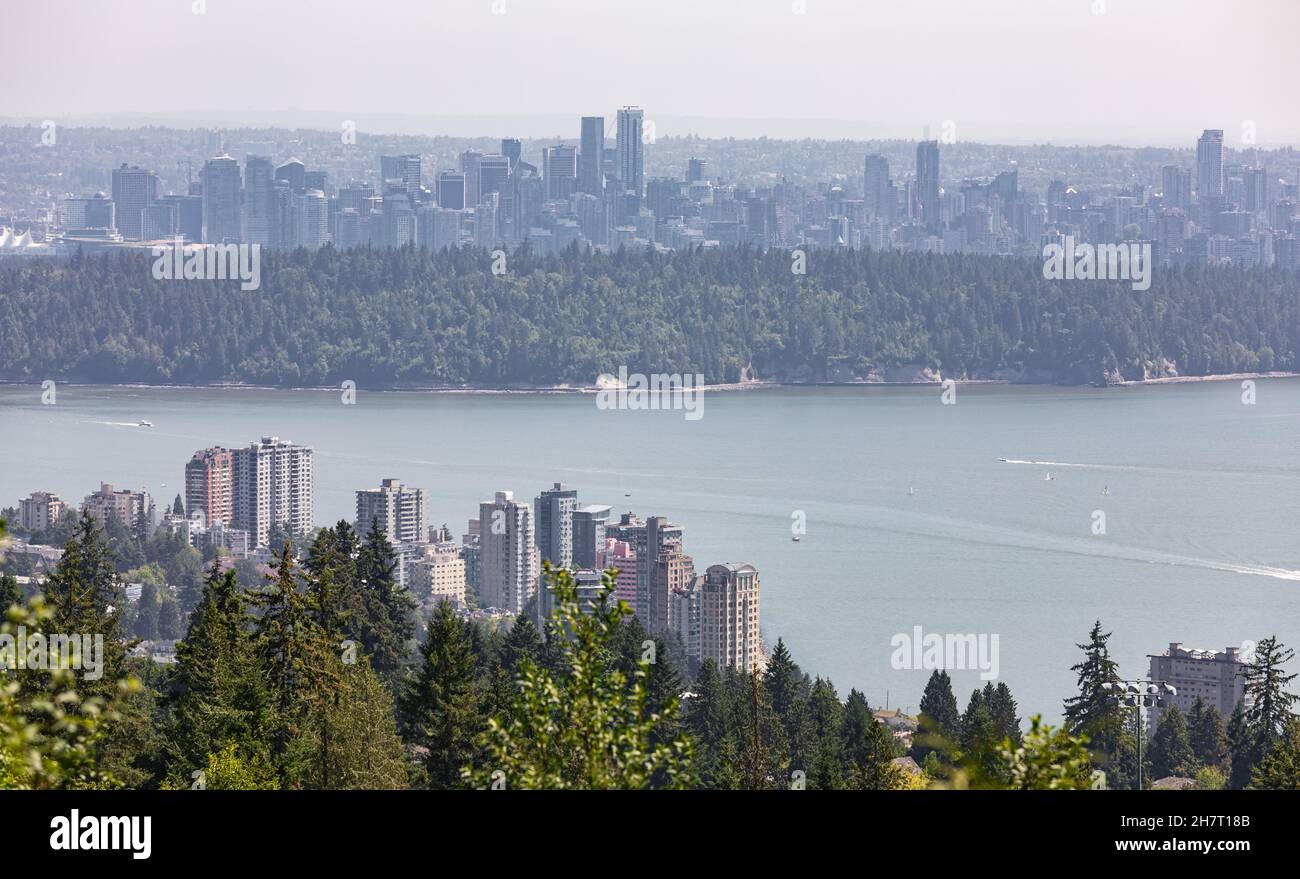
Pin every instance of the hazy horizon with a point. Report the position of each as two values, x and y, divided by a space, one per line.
1001 71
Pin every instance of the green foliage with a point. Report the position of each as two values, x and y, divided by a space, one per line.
1171 746
1095 714
1048 759
585 725
1280 768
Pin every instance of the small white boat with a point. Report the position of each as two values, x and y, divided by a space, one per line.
143 423
795 538
1048 478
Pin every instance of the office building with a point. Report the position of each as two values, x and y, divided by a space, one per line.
451 190
927 182
877 189
559 171
1209 164
259 179
591 157
221 192
133 190
631 150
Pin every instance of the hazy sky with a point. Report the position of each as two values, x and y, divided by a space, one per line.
1143 71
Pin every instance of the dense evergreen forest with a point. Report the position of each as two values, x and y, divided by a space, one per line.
410 317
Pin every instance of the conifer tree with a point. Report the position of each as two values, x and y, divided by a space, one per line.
1280 768
1098 715
1241 748
1171 746
1208 739
441 708
365 751
939 728
1266 693
387 623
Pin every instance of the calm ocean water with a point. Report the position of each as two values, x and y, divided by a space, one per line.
911 517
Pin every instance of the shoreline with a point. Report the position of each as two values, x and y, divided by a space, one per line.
757 385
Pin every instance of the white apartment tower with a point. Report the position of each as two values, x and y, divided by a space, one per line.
509 562
272 482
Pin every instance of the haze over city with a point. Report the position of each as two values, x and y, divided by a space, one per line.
1006 71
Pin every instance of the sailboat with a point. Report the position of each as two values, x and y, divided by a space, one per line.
1048 478
1105 491
911 491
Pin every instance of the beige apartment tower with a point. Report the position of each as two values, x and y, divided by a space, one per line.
728 608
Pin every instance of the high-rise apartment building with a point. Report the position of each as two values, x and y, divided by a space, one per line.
508 561
588 534
221 210
40 510
124 506
273 486
729 611
1213 676
134 189
209 486
438 576
553 512
400 510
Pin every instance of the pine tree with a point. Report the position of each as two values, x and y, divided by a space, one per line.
1097 714
300 666
1208 738
178 506
939 728
787 686
365 751
1002 705
84 594
868 747
221 699
979 736
826 716
386 625
1266 692
706 722
1241 748
440 710
1171 746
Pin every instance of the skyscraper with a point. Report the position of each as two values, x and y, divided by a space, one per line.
1209 164
553 512
729 616
133 190
877 189
294 172
513 149
259 178
927 182
631 149
221 186
560 171
493 175
508 563
469 166
451 190
591 159
314 219
400 511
